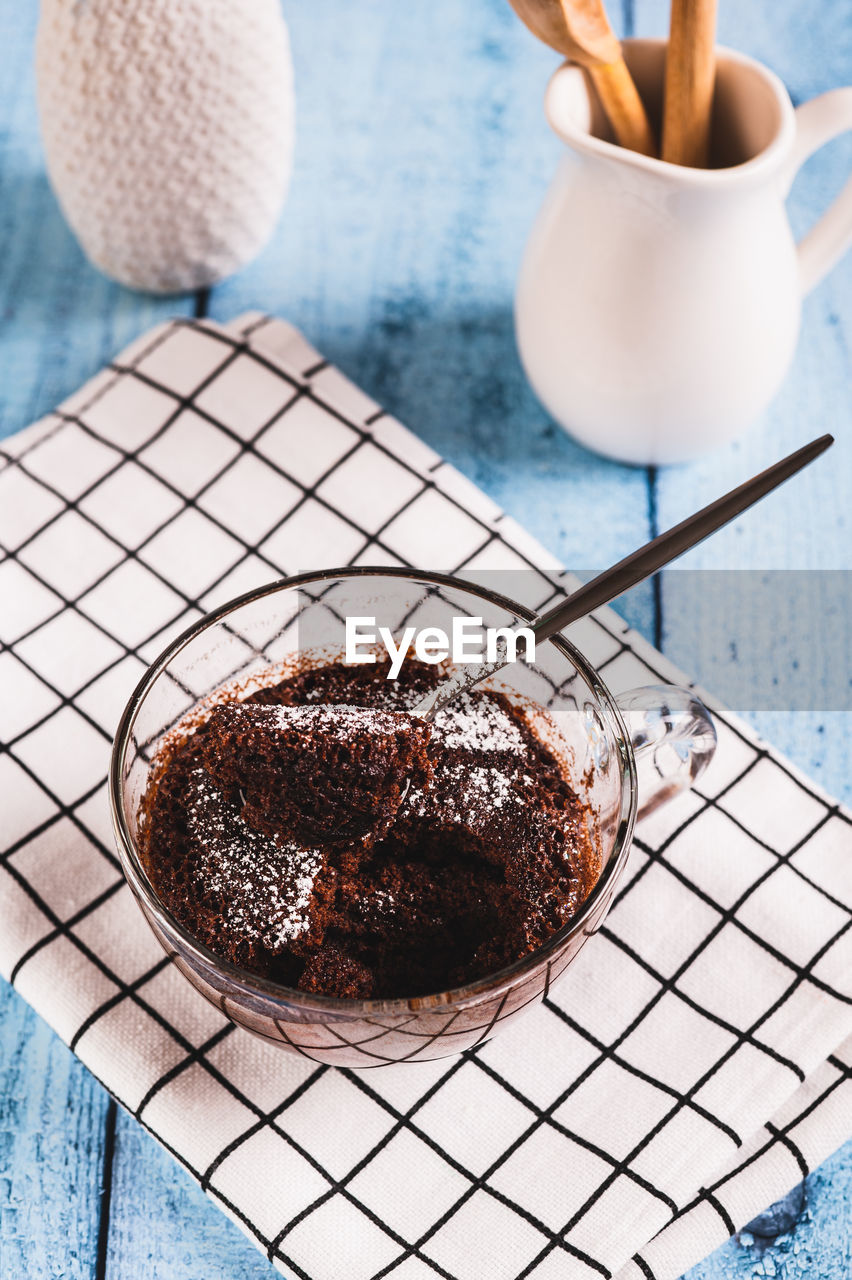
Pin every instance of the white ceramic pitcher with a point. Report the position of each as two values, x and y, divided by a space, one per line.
658 306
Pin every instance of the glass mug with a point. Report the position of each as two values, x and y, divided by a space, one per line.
631 753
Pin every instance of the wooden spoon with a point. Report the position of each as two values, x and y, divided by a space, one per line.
580 30
690 76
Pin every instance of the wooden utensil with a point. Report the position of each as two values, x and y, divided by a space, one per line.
580 30
690 76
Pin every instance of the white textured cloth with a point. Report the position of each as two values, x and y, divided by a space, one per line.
691 1066
168 132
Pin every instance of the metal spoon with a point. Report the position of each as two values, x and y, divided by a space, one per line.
633 569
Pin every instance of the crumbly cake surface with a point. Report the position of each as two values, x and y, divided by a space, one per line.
321 773
318 835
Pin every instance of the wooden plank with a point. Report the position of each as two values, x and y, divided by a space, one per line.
163 1226
52 1121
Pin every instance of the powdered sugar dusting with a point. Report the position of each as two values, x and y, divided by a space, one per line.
263 887
477 724
333 720
465 791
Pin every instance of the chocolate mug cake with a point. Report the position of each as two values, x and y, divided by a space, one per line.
317 834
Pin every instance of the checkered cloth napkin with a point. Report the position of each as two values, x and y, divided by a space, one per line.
692 1065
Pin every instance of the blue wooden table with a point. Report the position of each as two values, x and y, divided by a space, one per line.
422 157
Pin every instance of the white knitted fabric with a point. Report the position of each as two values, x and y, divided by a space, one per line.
168 131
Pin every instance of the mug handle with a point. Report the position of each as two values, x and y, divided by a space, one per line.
673 739
818 122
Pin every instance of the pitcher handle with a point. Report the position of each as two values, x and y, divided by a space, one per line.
673 739
818 122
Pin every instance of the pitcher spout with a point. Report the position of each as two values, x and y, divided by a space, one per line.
752 129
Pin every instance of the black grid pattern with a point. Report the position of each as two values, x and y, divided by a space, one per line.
629 1103
778 1154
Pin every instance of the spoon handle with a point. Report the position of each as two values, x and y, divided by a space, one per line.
674 542
623 106
690 77
628 572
